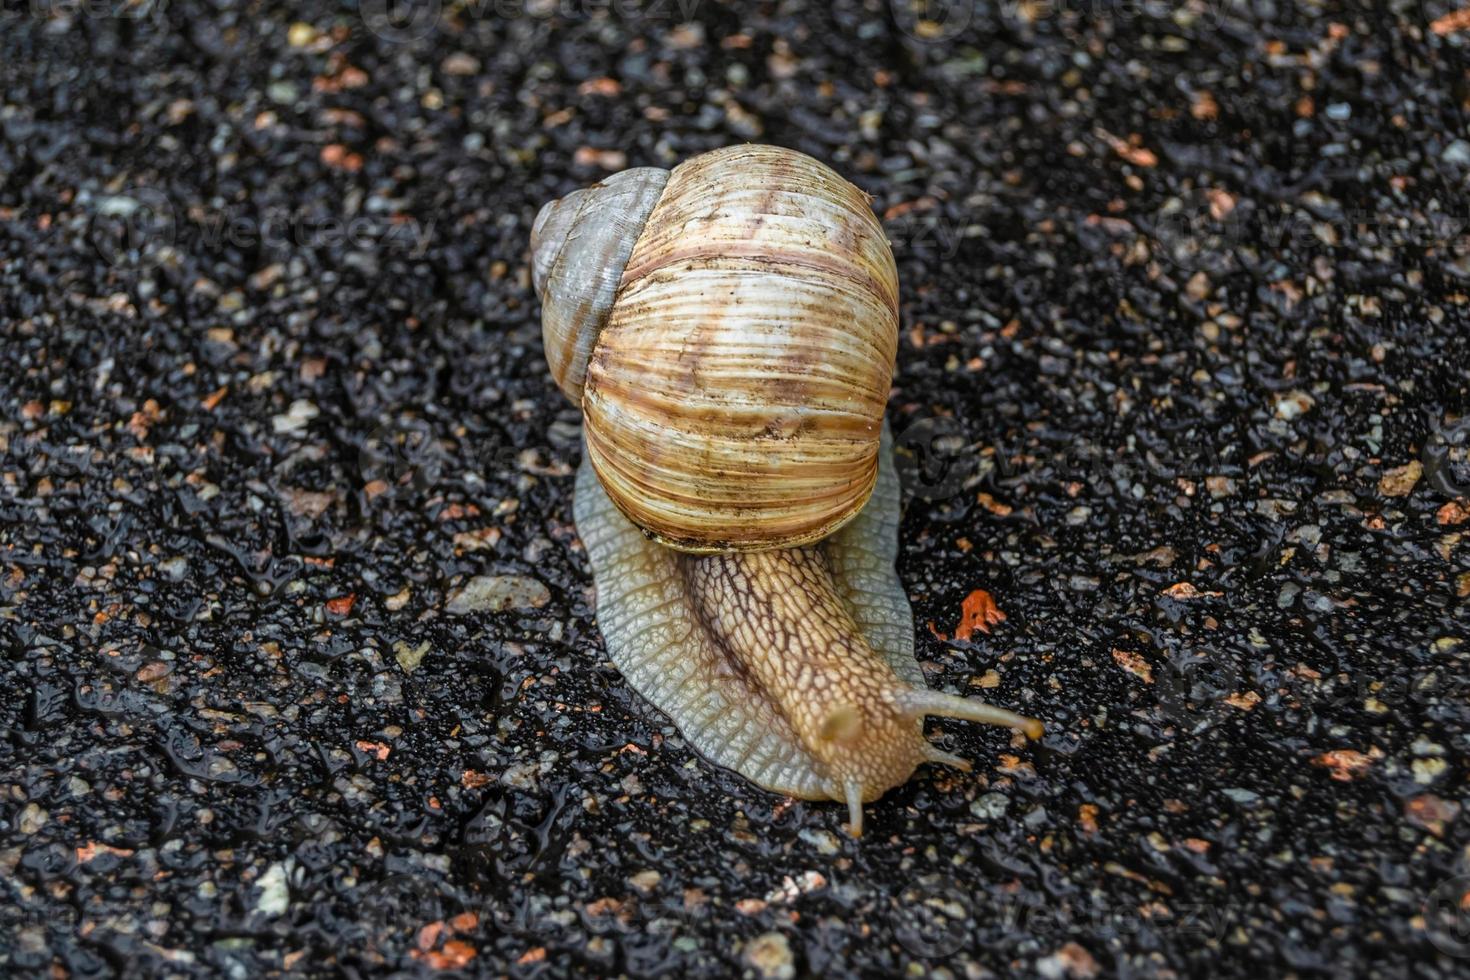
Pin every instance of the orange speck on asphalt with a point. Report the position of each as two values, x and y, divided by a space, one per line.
455 954
1455 20
428 935
342 605
977 612
1347 764
91 849
376 749
338 157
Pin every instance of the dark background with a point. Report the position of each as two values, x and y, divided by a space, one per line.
1184 309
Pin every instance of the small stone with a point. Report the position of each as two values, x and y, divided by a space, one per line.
1423 746
275 893
1428 770
1072 960
769 954
824 841
1317 602
991 806
1399 481
588 156
645 881
1198 287
296 417
409 657
300 35
32 819
497 593
1135 664
1457 152
1293 404
1346 765
1429 812
460 63
309 504
1452 513
174 569
152 671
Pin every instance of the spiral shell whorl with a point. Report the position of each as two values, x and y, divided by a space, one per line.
580 245
735 395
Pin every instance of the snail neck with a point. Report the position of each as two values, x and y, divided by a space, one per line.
784 627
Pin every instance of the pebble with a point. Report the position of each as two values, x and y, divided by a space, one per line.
824 841
275 891
645 881
32 819
990 806
1401 480
497 593
769 954
409 657
1458 152
296 418
1293 405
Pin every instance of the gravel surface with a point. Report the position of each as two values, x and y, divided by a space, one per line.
302 675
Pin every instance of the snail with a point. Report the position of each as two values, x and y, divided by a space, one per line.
729 329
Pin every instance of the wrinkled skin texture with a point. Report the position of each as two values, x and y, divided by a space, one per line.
794 667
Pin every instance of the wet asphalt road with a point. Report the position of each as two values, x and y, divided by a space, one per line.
301 670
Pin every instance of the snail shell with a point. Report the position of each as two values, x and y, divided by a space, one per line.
730 331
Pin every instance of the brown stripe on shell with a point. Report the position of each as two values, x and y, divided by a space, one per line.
735 394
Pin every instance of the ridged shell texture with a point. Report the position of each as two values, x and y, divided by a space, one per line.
734 398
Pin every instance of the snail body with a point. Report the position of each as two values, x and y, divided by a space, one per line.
729 329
